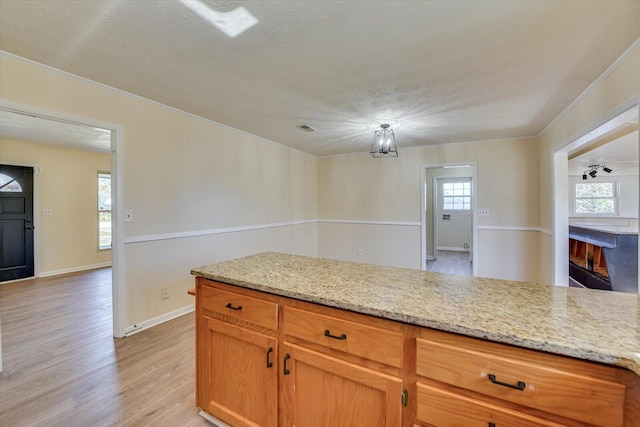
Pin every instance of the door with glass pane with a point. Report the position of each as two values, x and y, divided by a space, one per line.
453 215
16 222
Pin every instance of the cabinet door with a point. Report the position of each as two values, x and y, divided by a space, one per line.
320 390
239 375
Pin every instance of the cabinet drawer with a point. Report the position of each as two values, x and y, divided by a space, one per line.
531 379
355 338
446 409
239 307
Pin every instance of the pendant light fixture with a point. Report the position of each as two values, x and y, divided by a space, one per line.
384 143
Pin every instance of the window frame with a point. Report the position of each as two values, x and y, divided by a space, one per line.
469 197
615 198
101 211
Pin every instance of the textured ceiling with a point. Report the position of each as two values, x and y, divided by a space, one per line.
24 127
437 71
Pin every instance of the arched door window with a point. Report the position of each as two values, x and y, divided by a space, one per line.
9 184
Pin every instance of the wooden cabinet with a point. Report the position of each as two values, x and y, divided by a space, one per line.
266 360
240 381
320 390
495 384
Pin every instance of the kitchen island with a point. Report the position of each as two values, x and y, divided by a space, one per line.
424 334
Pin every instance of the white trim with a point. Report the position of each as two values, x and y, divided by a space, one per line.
356 221
138 97
74 269
213 420
450 248
514 228
117 188
146 324
196 233
626 54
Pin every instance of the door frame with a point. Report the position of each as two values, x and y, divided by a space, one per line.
474 207
560 183
117 191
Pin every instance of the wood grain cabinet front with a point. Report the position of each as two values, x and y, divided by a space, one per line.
232 305
320 390
577 390
239 377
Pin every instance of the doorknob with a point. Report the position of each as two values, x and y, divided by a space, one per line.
29 227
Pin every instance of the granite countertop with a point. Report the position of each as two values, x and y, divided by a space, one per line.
600 326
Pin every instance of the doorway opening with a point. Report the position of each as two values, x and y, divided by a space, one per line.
21 118
602 158
449 218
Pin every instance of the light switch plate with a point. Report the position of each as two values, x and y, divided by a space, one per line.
483 212
46 212
128 215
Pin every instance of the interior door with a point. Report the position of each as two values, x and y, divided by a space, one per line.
16 222
453 214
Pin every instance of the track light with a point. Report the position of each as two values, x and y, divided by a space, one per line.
593 171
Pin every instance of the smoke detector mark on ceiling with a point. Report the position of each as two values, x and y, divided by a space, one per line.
307 128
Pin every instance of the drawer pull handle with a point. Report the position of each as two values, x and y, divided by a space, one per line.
492 424
520 385
229 306
327 333
269 363
286 371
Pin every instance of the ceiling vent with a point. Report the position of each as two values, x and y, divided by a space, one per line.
307 128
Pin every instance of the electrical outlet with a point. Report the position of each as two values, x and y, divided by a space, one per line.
360 252
165 293
483 212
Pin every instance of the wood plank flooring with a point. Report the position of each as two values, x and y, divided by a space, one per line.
62 366
452 262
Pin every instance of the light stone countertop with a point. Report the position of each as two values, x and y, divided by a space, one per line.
600 326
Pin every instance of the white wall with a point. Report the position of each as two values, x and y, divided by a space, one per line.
187 180
68 186
619 88
376 205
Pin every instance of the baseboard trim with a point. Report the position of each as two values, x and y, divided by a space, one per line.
146 324
448 248
213 420
74 269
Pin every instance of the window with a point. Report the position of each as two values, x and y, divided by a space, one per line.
104 211
456 196
9 185
596 198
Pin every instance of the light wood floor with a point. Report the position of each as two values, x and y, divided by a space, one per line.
452 262
62 367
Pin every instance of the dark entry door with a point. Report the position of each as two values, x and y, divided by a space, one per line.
16 222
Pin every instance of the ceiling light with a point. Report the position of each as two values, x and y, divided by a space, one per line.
593 171
384 143
231 23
